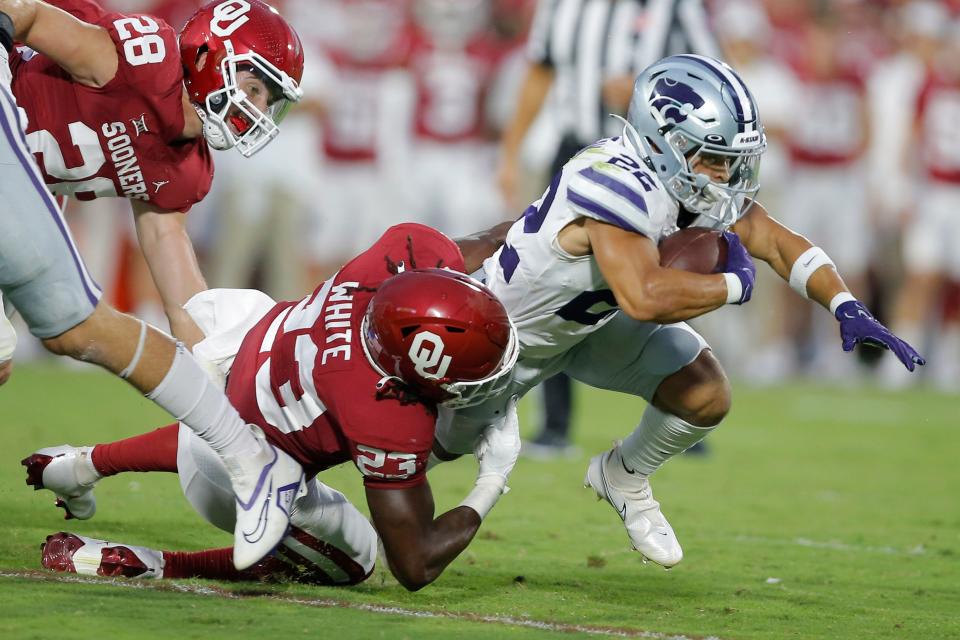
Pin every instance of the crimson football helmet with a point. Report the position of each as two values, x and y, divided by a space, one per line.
223 38
442 334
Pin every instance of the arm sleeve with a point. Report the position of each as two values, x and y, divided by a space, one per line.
612 194
386 469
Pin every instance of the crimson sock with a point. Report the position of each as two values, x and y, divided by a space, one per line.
215 564
152 451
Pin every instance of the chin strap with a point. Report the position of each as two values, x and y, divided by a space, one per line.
212 131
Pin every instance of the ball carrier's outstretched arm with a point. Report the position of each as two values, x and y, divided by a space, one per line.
812 274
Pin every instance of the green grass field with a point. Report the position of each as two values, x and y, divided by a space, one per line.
820 513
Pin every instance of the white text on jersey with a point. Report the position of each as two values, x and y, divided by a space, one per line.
125 161
336 315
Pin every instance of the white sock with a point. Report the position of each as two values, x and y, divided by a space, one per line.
192 398
659 437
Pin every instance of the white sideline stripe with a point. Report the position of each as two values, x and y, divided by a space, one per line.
329 603
834 545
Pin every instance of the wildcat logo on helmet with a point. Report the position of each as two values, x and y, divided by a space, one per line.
669 97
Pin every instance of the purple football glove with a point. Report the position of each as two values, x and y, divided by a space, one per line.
858 325
740 264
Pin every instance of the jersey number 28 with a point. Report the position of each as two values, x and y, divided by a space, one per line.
140 49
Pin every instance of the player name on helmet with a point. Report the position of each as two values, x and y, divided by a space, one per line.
125 161
336 321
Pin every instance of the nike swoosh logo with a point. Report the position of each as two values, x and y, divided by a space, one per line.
625 468
254 536
807 263
263 476
622 509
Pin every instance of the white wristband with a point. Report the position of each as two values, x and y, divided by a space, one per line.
805 266
485 494
839 299
734 287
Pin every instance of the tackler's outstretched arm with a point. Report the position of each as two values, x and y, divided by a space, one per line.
811 273
417 545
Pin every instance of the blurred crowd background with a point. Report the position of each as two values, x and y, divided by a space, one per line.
406 101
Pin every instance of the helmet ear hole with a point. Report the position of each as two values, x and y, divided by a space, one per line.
406 331
201 59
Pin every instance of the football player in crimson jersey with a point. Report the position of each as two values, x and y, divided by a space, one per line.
352 372
115 106
43 275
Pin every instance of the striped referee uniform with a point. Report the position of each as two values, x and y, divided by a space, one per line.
585 43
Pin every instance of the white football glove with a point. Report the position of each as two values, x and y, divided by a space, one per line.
497 453
498 450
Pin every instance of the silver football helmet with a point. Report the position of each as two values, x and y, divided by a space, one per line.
697 123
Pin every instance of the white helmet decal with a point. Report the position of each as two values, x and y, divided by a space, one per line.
429 355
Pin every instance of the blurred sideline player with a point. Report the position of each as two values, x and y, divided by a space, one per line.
454 63
354 371
750 344
931 243
580 275
43 276
121 106
259 206
826 195
363 127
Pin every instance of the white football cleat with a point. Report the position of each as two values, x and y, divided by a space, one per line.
69 473
265 486
649 531
70 553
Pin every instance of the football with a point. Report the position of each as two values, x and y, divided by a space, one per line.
694 249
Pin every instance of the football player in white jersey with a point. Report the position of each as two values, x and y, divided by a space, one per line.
580 275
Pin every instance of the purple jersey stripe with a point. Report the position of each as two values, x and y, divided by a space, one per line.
593 207
534 216
616 186
509 261
93 295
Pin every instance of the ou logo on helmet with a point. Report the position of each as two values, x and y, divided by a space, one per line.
427 352
229 16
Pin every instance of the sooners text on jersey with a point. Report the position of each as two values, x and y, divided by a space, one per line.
121 139
302 376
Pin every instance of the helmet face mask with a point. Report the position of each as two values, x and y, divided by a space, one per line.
252 128
691 115
223 45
